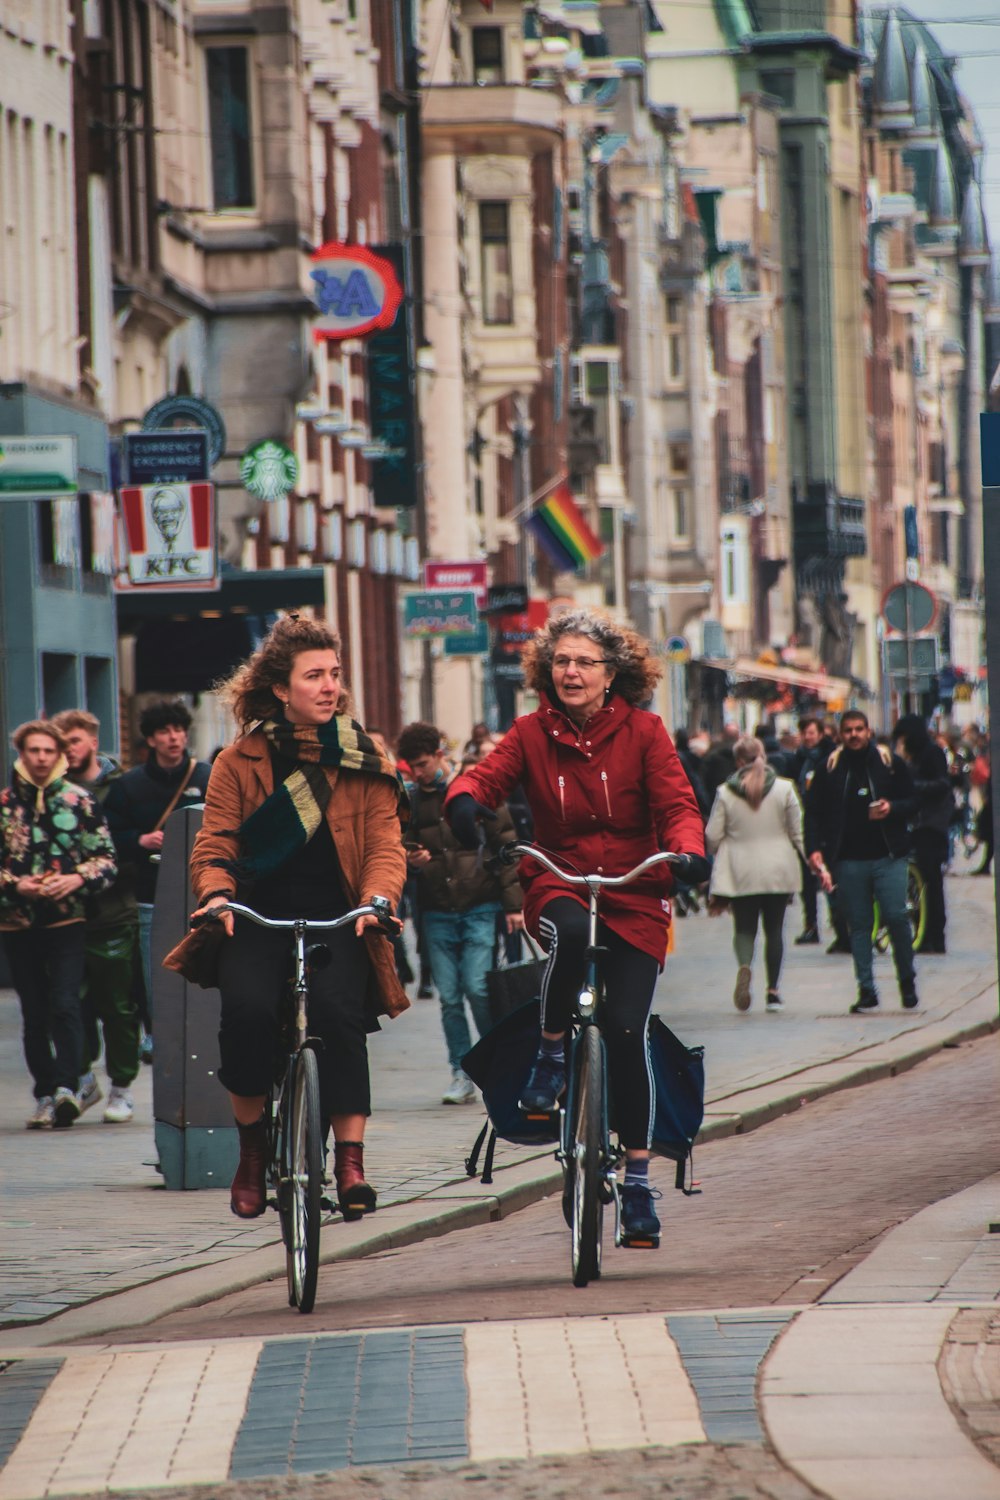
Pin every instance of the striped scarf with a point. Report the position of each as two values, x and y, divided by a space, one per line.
287 819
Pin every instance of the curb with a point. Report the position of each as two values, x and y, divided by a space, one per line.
463 1204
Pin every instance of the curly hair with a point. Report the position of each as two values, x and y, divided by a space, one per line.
419 738
625 651
249 690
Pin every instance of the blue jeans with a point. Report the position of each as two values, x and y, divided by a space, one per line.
145 938
860 883
460 946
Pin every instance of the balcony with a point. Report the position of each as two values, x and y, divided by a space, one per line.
828 525
469 113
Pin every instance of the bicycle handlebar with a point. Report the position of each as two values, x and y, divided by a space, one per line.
510 852
378 907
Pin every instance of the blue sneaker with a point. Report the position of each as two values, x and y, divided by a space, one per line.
640 1226
544 1087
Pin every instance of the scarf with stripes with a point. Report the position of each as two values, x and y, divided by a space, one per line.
287 819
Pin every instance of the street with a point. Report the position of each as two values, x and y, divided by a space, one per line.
467 1357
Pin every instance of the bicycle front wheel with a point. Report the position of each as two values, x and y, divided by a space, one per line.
586 1156
302 1180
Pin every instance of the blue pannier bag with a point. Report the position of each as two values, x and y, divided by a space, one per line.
500 1063
679 1084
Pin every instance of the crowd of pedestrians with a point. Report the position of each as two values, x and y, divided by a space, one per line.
79 850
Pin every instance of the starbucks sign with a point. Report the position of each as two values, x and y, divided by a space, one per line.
269 470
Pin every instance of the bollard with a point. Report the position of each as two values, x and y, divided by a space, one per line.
196 1138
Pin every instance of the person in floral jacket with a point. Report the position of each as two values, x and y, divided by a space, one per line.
55 852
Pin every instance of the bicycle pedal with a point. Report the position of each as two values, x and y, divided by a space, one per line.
640 1242
327 1204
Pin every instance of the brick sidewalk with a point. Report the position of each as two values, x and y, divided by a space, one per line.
83 1213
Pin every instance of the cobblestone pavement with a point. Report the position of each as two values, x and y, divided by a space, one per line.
83 1213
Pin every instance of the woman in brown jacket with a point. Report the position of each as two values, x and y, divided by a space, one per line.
302 819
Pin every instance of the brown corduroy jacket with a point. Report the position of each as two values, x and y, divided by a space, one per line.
366 833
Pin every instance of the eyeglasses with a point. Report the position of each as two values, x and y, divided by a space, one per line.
582 663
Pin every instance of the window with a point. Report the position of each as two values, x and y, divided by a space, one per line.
679 459
380 552
682 515
332 532
494 250
734 565
675 340
357 550
412 558
487 54
228 74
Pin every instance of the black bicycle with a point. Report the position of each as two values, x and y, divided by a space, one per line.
588 1158
296 1130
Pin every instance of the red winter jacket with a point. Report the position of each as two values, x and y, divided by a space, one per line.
603 799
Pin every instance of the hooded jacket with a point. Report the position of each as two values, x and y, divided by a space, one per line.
603 798
756 849
54 829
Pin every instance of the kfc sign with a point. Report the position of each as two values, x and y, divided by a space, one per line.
169 537
356 292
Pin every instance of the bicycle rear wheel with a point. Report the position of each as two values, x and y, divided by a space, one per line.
302 1180
916 904
586 1156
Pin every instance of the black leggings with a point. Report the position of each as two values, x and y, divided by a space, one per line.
747 912
629 981
254 969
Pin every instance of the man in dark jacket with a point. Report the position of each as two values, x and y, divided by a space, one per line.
815 747
459 900
137 803
932 782
112 941
858 810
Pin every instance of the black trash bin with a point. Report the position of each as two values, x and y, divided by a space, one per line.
196 1138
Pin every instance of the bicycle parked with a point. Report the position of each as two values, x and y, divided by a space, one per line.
296 1129
586 1153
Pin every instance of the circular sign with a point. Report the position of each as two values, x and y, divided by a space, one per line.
188 411
269 470
678 649
909 607
356 291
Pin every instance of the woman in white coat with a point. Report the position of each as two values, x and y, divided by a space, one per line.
755 832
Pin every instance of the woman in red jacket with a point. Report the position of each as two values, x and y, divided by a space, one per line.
606 789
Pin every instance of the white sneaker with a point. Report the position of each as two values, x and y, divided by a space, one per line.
89 1092
462 1090
120 1106
44 1116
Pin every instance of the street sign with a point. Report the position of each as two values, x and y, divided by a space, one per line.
174 456
920 660
37 468
269 470
188 411
430 616
678 649
909 607
170 537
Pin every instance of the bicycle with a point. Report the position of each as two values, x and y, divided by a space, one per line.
296 1131
585 1153
916 911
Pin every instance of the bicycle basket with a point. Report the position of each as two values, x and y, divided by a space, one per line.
499 1064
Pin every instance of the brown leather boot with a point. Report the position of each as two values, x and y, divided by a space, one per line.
354 1195
248 1194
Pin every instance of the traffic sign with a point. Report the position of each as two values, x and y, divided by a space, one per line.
917 656
678 649
909 607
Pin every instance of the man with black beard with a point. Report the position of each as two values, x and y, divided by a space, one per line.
858 808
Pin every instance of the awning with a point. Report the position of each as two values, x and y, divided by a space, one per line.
823 686
242 593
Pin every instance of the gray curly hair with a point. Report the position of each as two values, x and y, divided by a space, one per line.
624 650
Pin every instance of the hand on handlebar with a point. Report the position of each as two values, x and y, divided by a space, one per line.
691 869
207 913
391 926
464 814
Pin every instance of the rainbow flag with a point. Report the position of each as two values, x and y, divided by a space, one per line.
561 530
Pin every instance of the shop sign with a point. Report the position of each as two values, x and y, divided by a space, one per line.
356 291
431 616
188 411
37 468
476 644
269 470
170 539
391 405
457 575
173 456
506 598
